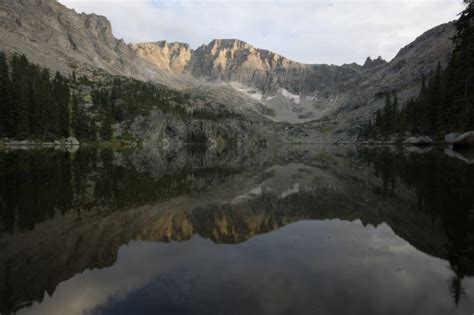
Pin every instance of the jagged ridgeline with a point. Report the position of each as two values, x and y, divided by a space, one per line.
35 104
446 100
330 102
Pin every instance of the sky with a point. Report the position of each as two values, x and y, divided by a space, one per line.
309 31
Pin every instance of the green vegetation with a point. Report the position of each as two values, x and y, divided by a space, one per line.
31 103
446 100
121 99
214 114
196 138
84 126
36 105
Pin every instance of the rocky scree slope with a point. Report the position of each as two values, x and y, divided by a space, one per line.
335 99
52 35
298 93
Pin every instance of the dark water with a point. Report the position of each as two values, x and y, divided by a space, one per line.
290 230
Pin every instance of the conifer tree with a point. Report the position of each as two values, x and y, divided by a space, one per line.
106 130
62 100
5 98
44 100
20 102
92 130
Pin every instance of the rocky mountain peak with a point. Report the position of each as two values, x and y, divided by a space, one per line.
99 25
228 44
170 56
52 35
369 62
224 55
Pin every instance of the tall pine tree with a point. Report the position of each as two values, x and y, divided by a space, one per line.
20 104
5 98
62 99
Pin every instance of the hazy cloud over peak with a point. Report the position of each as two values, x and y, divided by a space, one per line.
311 31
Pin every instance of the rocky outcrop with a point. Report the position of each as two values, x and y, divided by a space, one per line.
54 36
451 138
419 141
67 142
464 141
296 92
379 62
171 132
403 75
278 88
173 57
465 156
71 141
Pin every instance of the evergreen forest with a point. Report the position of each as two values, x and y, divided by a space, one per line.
445 102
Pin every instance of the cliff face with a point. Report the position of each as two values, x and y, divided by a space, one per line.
234 60
173 57
54 36
295 92
283 90
402 75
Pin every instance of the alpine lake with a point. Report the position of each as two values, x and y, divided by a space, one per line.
303 229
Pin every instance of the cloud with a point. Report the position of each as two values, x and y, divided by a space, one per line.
311 31
370 268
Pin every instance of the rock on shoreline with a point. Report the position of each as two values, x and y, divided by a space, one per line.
70 141
419 141
463 141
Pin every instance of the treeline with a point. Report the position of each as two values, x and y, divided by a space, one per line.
124 99
118 100
446 100
32 103
36 105
214 114
83 124
196 138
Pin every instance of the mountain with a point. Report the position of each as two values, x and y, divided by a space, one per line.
52 35
288 88
297 92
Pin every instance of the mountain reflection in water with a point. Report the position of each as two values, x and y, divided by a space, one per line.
321 229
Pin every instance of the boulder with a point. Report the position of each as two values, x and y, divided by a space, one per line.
21 143
420 141
464 141
451 137
71 141
465 156
418 149
71 148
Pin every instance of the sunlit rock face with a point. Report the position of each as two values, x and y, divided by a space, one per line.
173 57
296 92
280 89
56 37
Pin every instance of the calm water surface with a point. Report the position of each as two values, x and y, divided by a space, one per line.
289 230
